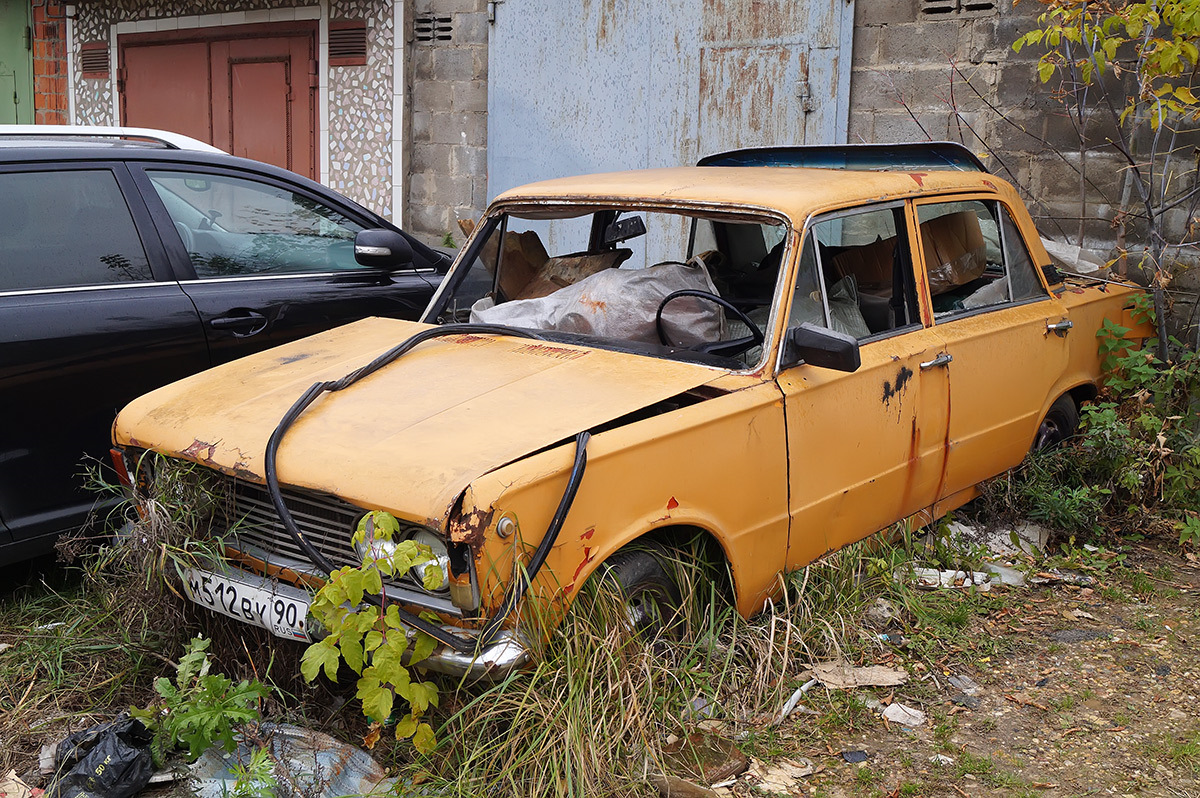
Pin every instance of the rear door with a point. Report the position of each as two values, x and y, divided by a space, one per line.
266 262
994 314
89 320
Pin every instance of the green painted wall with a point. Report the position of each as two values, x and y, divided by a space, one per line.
16 63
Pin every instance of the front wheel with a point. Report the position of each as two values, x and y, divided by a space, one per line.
1060 423
650 602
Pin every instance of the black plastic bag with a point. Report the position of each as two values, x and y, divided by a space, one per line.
111 760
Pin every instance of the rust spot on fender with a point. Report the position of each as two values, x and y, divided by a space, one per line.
198 446
893 389
469 527
671 504
587 533
990 184
918 178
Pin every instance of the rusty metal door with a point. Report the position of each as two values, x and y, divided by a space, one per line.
596 85
251 91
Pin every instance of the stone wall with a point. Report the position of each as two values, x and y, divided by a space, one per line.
448 154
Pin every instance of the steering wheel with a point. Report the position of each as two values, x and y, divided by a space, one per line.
723 348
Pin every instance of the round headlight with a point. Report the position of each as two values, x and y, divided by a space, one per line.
379 549
441 558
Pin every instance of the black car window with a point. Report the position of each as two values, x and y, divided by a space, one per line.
231 226
63 229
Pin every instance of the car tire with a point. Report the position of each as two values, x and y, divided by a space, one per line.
1060 423
649 596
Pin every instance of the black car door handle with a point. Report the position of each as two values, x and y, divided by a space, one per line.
247 323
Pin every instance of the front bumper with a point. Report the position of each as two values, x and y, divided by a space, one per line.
507 653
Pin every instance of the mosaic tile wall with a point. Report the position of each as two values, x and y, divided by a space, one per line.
360 110
360 98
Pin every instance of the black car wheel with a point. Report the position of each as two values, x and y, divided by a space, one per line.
1060 423
650 602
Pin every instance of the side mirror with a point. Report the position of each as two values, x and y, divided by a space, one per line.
382 249
819 346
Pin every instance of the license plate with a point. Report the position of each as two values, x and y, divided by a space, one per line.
281 609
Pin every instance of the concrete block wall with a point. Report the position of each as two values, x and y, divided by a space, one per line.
919 76
448 112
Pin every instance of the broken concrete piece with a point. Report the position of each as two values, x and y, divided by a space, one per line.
840 674
905 716
933 578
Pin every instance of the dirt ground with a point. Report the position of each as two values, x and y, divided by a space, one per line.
1082 691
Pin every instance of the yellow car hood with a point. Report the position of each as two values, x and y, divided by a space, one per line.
412 436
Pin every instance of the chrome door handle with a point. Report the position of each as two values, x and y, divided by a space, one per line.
1059 328
940 360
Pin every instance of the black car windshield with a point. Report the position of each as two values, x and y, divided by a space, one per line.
613 277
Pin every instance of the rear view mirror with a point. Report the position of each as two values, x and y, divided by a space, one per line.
382 249
822 347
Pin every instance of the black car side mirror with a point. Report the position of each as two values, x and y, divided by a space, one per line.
819 346
382 249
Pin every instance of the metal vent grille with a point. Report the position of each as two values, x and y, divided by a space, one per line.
347 42
957 8
93 59
433 29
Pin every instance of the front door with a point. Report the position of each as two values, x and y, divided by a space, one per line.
865 448
248 89
16 64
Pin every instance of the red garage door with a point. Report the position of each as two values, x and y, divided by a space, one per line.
248 89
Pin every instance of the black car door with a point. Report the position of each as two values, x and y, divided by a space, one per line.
266 261
90 318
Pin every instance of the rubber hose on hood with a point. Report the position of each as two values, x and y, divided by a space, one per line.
519 586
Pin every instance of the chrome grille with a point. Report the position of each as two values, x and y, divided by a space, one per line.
326 521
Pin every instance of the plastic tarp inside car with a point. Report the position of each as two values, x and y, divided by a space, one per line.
619 304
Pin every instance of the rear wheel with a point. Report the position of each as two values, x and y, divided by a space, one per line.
650 602
1060 423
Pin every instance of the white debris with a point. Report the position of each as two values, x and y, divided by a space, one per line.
905 716
1006 576
933 578
941 760
782 775
790 704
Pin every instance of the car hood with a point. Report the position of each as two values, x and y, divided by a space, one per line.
412 436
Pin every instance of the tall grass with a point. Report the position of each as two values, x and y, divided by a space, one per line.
598 712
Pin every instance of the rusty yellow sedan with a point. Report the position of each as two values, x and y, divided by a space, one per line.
780 358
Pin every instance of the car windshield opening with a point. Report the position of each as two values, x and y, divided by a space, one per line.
663 283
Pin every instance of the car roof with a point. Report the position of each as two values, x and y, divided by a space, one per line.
99 136
796 192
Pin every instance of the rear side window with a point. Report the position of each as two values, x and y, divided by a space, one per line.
975 258
64 229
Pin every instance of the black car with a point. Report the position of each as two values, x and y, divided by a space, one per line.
127 263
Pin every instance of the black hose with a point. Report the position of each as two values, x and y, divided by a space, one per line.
318 559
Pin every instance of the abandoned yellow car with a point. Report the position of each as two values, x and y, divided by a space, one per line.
783 359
